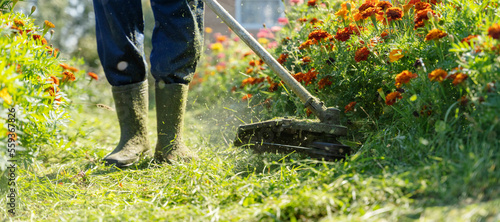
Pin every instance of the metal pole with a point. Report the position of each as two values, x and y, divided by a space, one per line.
309 100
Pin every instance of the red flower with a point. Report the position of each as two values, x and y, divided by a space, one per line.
93 76
68 76
343 34
494 31
324 82
246 97
437 75
54 80
349 107
391 98
319 35
404 77
283 57
361 54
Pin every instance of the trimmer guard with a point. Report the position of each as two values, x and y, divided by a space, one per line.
318 140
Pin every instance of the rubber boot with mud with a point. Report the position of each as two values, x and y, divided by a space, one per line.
131 103
170 108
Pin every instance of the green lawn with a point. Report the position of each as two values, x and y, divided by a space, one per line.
231 184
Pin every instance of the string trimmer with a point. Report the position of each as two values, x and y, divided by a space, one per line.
316 138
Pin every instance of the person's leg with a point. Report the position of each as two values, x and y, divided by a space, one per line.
120 40
177 45
119 34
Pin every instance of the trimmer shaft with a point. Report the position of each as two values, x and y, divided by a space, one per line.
318 140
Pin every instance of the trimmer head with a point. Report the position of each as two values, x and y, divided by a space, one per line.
318 140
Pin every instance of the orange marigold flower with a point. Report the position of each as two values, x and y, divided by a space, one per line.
356 29
68 76
53 90
221 38
390 99
56 51
349 107
67 67
324 82
384 34
273 87
19 22
302 20
394 13
259 62
315 20
36 37
306 59
494 31
383 5
93 75
54 80
419 6
367 4
49 24
307 43
319 35
421 16
251 81
369 12
4 94
404 77
361 54
249 70
395 55
343 34
357 15
247 54
342 13
298 76
437 75
311 3
283 57
309 76
407 8
469 38
435 34
459 78
246 97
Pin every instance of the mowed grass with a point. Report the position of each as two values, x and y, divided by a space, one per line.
226 183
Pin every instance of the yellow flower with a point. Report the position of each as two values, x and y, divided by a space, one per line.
263 41
437 75
6 96
435 34
342 12
49 24
208 30
217 47
395 55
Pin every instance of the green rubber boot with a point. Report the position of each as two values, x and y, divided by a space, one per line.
170 107
131 103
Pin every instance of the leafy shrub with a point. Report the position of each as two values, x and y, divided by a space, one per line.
417 82
36 83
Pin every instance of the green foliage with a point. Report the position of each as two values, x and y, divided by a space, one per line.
35 84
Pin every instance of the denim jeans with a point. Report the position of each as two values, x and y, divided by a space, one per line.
177 40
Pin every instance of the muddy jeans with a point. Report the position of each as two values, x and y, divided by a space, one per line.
177 40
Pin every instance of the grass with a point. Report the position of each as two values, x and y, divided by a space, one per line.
232 184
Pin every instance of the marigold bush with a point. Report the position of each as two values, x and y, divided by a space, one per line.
36 83
379 56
